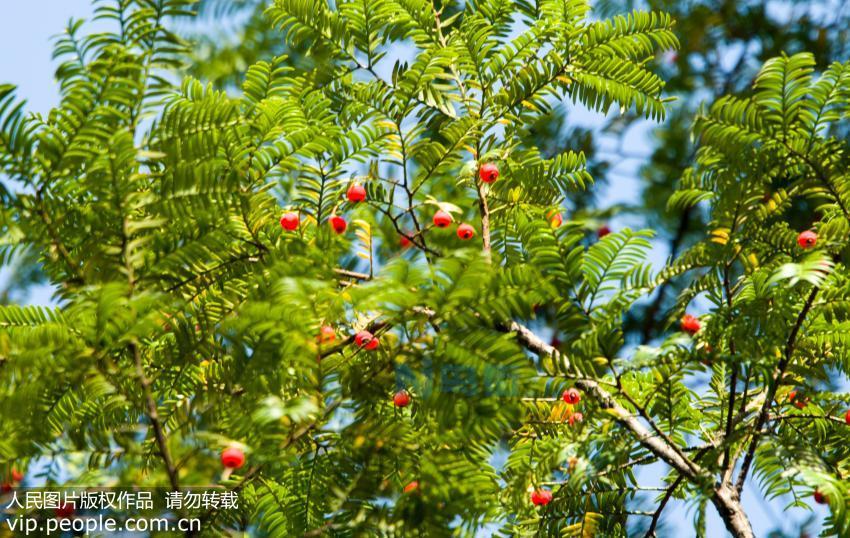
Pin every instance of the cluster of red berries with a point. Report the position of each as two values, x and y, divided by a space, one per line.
356 193
442 219
368 341
572 396
488 173
691 325
798 399
362 339
14 478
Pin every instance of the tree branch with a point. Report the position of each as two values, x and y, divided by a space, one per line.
657 515
650 322
485 218
657 445
153 415
790 345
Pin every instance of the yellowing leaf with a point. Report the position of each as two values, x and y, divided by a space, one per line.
720 235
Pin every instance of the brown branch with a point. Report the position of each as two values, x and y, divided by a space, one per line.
418 239
410 196
153 415
728 463
790 345
353 274
657 515
727 501
57 243
643 413
247 256
669 494
650 322
656 445
485 218
725 498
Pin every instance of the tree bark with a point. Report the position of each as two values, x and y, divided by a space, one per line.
728 505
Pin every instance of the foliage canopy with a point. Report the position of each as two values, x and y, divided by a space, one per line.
188 319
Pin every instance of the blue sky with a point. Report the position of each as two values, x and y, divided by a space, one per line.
26 29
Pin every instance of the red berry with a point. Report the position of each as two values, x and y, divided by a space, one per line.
356 193
690 324
366 340
413 486
807 239
338 224
442 219
555 219
820 498
66 510
603 231
465 231
541 497
847 417
17 476
327 334
571 396
232 458
289 221
401 398
575 417
488 173
797 399
5 487
361 338
404 240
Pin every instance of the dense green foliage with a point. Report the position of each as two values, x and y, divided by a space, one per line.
188 318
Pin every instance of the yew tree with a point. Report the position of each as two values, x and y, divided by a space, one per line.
349 291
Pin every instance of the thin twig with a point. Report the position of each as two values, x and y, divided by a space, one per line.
153 415
790 345
657 515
